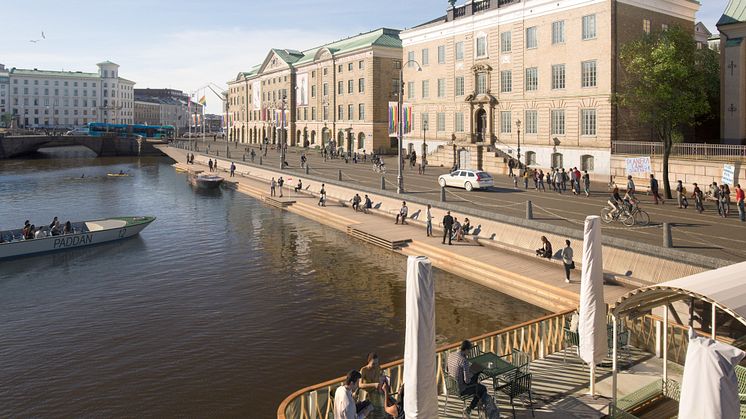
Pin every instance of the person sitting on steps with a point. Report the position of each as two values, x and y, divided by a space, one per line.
403 211
546 248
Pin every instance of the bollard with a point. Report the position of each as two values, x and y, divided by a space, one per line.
260 160
442 194
667 242
383 183
307 168
529 210
340 174
243 157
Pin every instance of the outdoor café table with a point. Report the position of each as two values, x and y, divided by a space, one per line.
493 365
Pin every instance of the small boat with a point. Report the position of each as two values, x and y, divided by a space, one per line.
203 181
84 233
118 174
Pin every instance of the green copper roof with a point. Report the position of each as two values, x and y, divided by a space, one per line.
27 72
734 13
383 37
288 55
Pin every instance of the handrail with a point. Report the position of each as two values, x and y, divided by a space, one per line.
478 340
681 150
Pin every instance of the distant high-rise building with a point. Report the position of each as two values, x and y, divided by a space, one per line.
48 98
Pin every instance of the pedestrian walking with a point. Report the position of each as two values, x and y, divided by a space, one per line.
725 199
280 182
233 169
631 187
740 203
367 205
272 186
526 175
209 165
567 260
253 154
429 225
447 227
322 196
654 189
698 199
511 166
587 184
540 177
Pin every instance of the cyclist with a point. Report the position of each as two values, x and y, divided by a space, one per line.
616 202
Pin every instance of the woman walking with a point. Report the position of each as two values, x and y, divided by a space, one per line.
567 260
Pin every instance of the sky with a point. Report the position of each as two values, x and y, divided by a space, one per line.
187 44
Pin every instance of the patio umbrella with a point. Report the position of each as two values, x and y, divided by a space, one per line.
709 388
592 332
420 385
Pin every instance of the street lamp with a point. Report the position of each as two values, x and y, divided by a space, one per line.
282 132
399 177
424 131
518 126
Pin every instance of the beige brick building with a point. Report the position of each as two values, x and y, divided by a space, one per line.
550 65
334 94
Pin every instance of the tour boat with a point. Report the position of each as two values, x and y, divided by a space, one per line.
205 181
84 233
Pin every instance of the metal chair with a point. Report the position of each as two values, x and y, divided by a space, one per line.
450 387
514 385
571 339
521 360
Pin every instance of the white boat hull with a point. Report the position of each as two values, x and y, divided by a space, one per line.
68 241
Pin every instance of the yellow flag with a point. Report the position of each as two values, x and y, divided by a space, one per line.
203 101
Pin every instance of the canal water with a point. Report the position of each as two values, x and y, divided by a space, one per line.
220 308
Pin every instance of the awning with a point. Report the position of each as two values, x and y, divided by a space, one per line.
724 287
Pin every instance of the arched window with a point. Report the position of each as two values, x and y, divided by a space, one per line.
586 162
361 141
530 158
313 137
557 160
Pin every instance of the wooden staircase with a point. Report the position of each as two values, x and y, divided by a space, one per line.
514 284
368 235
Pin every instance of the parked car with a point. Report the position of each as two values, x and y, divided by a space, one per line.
467 179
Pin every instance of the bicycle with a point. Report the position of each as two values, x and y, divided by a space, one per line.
379 169
629 215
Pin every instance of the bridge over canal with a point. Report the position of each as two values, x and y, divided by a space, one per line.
108 145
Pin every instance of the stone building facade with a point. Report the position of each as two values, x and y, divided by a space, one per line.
334 94
732 27
494 71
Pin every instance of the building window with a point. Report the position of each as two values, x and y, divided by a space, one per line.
440 121
425 120
558 76
340 112
459 86
361 111
325 71
589 27
441 87
361 85
481 83
505 122
664 27
532 78
557 160
532 40
410 58
481 46
325 111
350 115
349 67
441 54
506 81
586 163
588 122
410 90
530 158
350 86
425 88
505 42
340 87
313 93
558 32
459 122
425 56
532 121
646 26
558 122
361 65
339 68
459 51
325 89
588 73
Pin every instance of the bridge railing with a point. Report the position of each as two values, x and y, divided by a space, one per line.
694 151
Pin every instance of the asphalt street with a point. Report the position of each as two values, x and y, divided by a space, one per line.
707 234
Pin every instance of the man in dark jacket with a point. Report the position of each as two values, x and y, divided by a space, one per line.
447 227
654 190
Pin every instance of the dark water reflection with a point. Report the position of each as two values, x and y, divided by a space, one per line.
220 308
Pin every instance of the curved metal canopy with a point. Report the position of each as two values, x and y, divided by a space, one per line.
724 287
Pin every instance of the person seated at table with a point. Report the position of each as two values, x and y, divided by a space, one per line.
546 248
393 406
468 383
344 403
370 381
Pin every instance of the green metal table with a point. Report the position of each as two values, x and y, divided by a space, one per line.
493 365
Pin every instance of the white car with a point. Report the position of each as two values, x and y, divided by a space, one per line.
467 179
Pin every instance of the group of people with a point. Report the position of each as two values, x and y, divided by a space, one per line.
30 231
557 179
566 254
274 185
367 204
373 390
190 158
721 194
212 166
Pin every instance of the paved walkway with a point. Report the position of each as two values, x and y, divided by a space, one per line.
705 234
511 273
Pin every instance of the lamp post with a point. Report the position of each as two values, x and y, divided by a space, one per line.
282 132
400 164
518 126
424 143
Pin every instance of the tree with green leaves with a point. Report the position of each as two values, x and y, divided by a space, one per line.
668 83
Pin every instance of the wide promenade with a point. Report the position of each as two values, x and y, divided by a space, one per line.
704 234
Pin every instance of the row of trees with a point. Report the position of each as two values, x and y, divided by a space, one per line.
670 84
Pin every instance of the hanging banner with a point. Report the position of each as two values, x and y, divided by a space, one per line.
638 165
408 119
729 172
301 93
256 94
